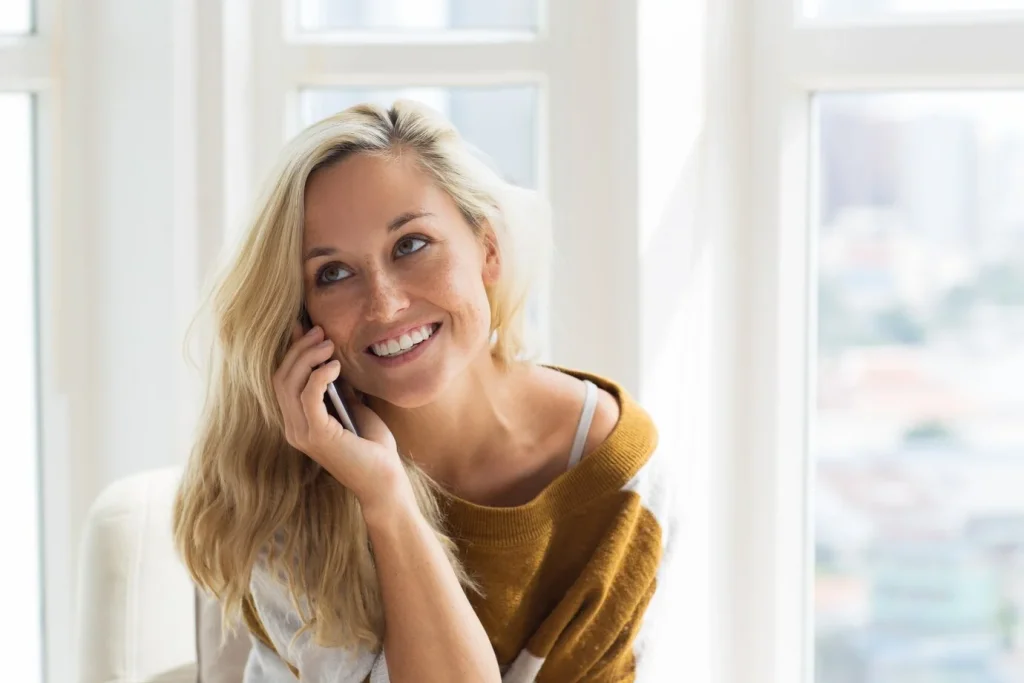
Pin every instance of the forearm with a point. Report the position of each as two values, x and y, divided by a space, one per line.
431 631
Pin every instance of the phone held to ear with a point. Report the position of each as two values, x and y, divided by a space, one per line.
336 404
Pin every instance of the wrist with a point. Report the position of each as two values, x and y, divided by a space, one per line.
388 503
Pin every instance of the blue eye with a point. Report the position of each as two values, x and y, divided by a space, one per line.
409 245
332 272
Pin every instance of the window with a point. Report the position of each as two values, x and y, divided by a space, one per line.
418 15
919 425
867 9
500 121
19 487
883 283
15 16
33 523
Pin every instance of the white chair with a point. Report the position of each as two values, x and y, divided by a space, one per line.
139 616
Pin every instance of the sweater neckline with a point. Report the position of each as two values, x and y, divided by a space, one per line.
607 468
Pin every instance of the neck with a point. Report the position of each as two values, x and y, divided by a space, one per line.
475 420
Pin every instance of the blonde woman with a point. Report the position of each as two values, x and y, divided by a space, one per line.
495 520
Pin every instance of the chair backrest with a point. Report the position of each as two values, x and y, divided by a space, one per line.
137 607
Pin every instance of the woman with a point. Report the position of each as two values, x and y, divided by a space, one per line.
494 519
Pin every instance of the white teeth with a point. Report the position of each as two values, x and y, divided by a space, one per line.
394 347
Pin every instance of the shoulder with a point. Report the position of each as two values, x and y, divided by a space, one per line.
564 398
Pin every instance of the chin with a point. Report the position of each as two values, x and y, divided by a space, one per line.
414 390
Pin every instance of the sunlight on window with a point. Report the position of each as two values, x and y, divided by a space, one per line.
871 9
418 15
15 16
19 487
501 121
919 429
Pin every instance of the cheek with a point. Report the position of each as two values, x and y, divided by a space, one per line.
470 299
335 315
465 295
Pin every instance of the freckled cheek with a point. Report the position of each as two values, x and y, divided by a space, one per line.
467 300
340 320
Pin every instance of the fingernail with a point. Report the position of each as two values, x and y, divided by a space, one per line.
313 331
325 343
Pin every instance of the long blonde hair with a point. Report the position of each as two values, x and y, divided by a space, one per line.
248 496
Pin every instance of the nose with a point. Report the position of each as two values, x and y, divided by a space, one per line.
386 298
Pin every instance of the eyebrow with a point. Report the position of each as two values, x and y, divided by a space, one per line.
395 223
401 219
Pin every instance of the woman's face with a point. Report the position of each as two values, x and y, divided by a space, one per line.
395 276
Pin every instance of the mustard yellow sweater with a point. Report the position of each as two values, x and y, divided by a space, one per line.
574 582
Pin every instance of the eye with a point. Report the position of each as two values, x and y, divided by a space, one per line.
409 245
332 272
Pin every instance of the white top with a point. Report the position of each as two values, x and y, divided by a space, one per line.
586 419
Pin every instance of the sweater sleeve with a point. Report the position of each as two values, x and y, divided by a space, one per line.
617 664
626 605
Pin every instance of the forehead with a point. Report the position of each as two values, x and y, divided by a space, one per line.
365 192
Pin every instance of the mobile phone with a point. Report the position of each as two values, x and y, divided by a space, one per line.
337 406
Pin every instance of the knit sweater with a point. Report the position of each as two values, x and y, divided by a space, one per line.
576 583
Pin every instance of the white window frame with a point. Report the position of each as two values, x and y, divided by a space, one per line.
29 64
792 58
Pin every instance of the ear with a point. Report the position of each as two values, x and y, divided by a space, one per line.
492 256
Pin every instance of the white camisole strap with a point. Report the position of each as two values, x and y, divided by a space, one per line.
586 418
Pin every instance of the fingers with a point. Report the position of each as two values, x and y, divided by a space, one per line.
299 346
312 396
296 377
307 351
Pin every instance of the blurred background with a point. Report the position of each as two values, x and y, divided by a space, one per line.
794 230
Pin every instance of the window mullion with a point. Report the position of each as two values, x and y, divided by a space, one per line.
24 63
905 56
464 62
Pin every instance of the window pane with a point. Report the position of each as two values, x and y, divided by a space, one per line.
871 9
19 485
15 16
919 429
418 15
500 121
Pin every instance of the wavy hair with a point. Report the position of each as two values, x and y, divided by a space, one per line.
247 496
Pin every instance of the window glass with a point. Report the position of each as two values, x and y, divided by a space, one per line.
19 485
500 121
918 429
418 15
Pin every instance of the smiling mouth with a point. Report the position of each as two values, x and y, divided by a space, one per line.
398 346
